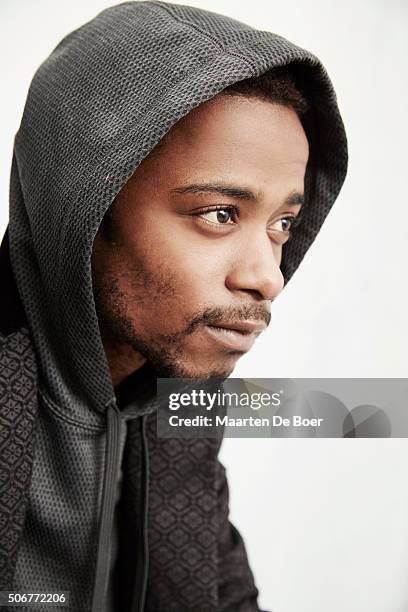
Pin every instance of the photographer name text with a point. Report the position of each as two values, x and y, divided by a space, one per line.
251 421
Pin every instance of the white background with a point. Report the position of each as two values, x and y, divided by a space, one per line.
325 521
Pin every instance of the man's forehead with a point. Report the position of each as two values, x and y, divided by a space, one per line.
235 124
241 192
219 109
253 163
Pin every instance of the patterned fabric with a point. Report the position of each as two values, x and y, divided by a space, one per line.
18 410
95 109
183 524
194 550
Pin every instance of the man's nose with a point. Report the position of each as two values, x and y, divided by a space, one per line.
256 269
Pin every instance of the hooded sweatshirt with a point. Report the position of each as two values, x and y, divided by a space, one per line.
79 461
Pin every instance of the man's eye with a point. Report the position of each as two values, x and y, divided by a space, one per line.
281 229
286 224
219 216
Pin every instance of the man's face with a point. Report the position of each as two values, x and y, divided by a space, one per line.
186 275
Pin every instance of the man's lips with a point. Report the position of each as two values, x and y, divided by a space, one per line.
238 336
243 326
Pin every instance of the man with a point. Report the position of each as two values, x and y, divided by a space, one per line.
163 160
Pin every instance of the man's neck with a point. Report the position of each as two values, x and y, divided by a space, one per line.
123 360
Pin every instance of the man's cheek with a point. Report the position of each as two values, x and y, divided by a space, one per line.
158 313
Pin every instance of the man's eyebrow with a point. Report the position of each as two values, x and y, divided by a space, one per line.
294 199
232 191
228 190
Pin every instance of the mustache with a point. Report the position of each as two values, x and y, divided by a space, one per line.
210 316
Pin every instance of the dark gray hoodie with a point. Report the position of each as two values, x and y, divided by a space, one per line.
96 107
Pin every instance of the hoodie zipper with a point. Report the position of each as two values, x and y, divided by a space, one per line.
112 464
108 507
140 588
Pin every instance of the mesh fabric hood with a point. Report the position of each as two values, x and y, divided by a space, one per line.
96 107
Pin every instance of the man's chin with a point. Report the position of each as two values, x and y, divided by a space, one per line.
185 361
194 370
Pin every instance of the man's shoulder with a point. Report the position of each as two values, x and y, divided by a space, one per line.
12 315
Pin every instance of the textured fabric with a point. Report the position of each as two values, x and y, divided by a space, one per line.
194 550
96 107
18 401
58 547
140 387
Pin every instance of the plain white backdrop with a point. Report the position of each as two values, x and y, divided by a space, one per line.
325 521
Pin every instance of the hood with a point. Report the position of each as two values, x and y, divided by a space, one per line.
95 109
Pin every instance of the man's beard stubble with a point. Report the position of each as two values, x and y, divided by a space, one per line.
117 329
164 353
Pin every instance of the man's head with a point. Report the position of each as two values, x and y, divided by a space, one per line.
193 242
